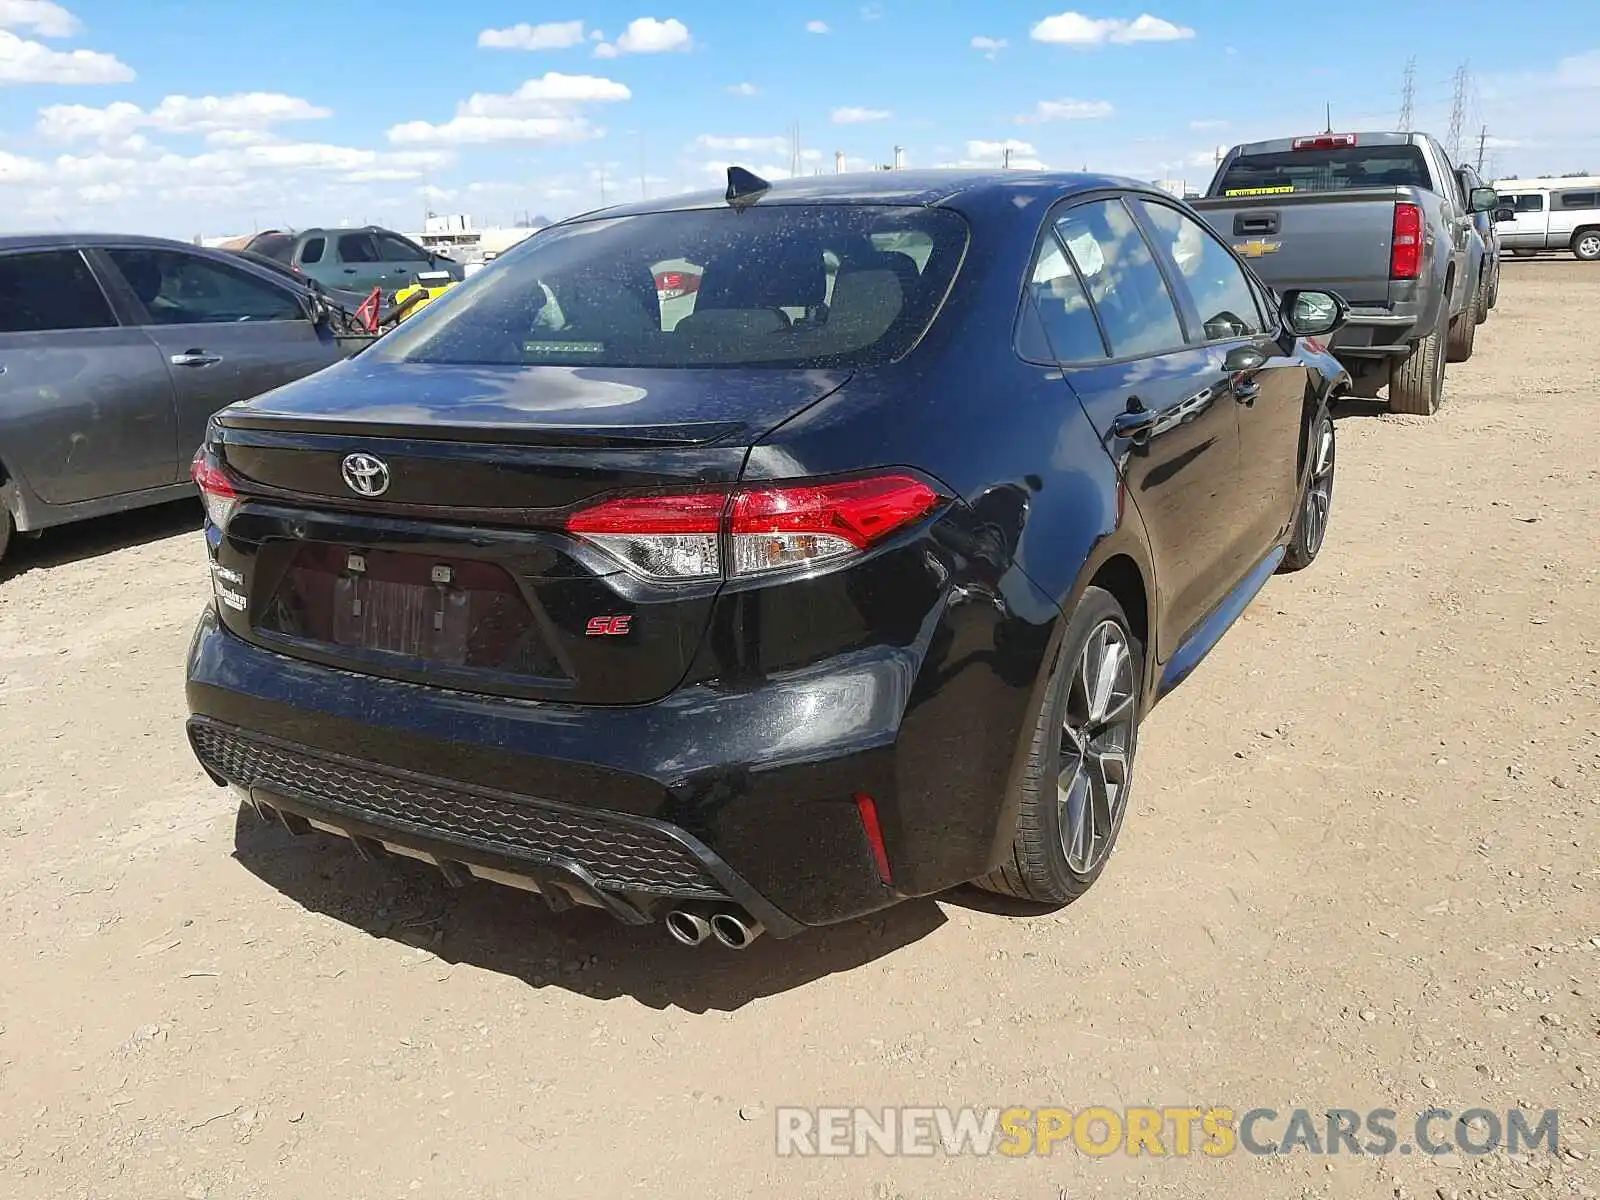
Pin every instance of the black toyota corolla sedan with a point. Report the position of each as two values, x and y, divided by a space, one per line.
841 577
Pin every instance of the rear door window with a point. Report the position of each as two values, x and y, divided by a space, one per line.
1064 316
1136 308
1529 203
185 289
1327 170
358 248
50 290
782 285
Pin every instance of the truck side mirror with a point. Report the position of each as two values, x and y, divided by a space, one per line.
1483 199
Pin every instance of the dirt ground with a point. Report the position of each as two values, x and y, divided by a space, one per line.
1362 870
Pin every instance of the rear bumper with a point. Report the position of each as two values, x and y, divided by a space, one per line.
746 796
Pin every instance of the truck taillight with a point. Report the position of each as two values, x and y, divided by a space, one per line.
764 529
216 489
1325 141
1405 254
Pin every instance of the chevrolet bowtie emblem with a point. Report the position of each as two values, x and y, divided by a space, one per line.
1256 248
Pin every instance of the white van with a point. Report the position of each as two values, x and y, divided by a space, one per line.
1550 214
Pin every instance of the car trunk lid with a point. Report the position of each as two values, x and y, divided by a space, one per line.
408 520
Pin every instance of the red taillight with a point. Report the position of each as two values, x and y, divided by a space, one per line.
1325 141
768 528
216 489
1405 255
661 537
774 528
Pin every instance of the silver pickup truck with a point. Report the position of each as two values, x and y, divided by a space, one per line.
1383 220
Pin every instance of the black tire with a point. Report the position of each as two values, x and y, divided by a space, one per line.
1494 285
1485 299
5 531
1586 245
1038 866
1316 497
1464 329
1416 385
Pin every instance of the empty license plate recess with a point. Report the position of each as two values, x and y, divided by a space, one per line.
458 613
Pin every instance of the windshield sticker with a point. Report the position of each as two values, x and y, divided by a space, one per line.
1262 191
537 347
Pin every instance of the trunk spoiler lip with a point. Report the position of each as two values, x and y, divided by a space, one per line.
620 437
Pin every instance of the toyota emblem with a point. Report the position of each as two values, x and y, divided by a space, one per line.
366 474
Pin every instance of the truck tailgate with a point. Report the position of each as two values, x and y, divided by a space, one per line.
1339 240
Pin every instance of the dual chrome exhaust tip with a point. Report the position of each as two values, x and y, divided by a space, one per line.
731 927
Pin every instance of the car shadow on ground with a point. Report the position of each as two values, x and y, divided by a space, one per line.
84 540
584 951
1356 406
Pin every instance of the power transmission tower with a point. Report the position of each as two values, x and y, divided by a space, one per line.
1408 95
1458 111
1483 138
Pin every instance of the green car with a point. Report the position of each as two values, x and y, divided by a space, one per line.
353 260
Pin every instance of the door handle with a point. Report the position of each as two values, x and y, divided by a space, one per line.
1245 392
349 270
195 358
1134 424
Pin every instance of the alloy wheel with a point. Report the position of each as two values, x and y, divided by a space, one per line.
1319 491
1589 246
1097 731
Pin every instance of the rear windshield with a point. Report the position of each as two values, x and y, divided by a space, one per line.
1324 171
274 245
781 285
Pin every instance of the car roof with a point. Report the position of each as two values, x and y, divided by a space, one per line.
58 241
953 187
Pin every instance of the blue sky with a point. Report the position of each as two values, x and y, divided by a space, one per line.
218 116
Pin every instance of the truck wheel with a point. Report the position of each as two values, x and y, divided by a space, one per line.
1494 286
1586 245
5 531
1464 329
1416 385
1485 299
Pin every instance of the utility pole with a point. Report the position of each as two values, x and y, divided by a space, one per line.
1329 109
1005 159
1483 138
1408 95
1458 111
602 185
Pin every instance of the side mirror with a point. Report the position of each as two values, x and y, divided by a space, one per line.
1311 313
1502 215
1483 199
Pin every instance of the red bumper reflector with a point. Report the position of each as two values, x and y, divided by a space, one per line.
868 808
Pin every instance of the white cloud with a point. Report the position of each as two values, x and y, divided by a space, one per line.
742 145
546 109
1075 29
859 116
744 89
553 35
244 116
606 50
481 131
989 47
872 12
817 27
1066 110
23 61
40 16
14 169
1200 126
985 154
647 35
